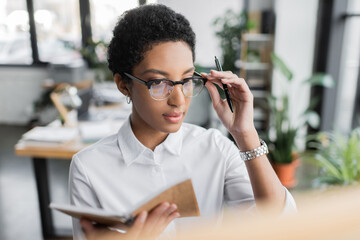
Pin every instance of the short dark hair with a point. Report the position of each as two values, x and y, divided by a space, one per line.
139 29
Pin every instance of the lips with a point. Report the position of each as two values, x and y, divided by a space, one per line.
173 117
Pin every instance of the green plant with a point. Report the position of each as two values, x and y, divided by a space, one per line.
338 156
94 53
230 27
281 137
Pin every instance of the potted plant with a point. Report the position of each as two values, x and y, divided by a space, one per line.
94 53
338 156
229 30
283 129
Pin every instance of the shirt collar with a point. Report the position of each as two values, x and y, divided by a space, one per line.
132 149
129 145
173 142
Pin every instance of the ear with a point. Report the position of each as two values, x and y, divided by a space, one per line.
121 85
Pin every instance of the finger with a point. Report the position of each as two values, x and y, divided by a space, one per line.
159 210
167 216
140 220
214 80
135 230
203 74
154 216
163 221
214 94
240 91
221 79
238 83
234 83
226 78
91 232
121 226
173 208
211 77
171 217
86 225
218 74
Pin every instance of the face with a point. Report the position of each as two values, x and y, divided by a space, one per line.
170 60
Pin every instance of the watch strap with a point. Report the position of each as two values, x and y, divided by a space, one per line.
257 152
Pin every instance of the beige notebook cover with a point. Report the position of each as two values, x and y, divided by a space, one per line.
182 194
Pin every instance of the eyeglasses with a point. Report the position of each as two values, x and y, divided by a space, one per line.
161 89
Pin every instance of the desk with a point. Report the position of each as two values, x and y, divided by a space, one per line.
113 116
39 154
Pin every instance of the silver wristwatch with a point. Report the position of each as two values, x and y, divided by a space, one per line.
257 152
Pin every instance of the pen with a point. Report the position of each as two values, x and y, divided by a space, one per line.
226 90
197 74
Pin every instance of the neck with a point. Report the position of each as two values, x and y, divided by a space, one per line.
149 137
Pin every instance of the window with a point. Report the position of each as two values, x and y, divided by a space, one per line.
15 47
104 15
57 30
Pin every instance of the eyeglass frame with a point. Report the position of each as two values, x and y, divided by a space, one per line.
150 82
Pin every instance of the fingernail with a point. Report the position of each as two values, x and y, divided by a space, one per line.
177 215
172 208
165 206
142 216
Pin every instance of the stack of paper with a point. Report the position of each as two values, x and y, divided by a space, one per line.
94 131
50 134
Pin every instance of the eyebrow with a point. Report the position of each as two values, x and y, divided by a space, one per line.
164 73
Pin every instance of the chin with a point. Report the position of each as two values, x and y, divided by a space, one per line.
171 128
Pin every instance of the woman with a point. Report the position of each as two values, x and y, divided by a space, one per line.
154 148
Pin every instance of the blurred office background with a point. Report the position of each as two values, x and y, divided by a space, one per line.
45 42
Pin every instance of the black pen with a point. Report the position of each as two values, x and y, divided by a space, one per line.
226 90
197 74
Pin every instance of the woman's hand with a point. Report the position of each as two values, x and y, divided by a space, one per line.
241 122
146 226
265 184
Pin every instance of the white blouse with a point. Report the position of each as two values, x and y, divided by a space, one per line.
118 172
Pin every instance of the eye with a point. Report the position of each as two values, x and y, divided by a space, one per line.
188 78
157 81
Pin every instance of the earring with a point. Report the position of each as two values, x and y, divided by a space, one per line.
128 99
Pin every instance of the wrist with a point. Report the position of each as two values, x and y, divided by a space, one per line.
247 140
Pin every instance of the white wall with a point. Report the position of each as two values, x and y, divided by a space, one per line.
295 43
20 87
201 14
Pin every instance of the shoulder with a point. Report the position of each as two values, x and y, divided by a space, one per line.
98 150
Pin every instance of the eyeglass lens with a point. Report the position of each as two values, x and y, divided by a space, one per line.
162 89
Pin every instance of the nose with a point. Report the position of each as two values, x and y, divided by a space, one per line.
177 97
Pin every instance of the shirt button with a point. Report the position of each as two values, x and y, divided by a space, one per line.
156 161
156 169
